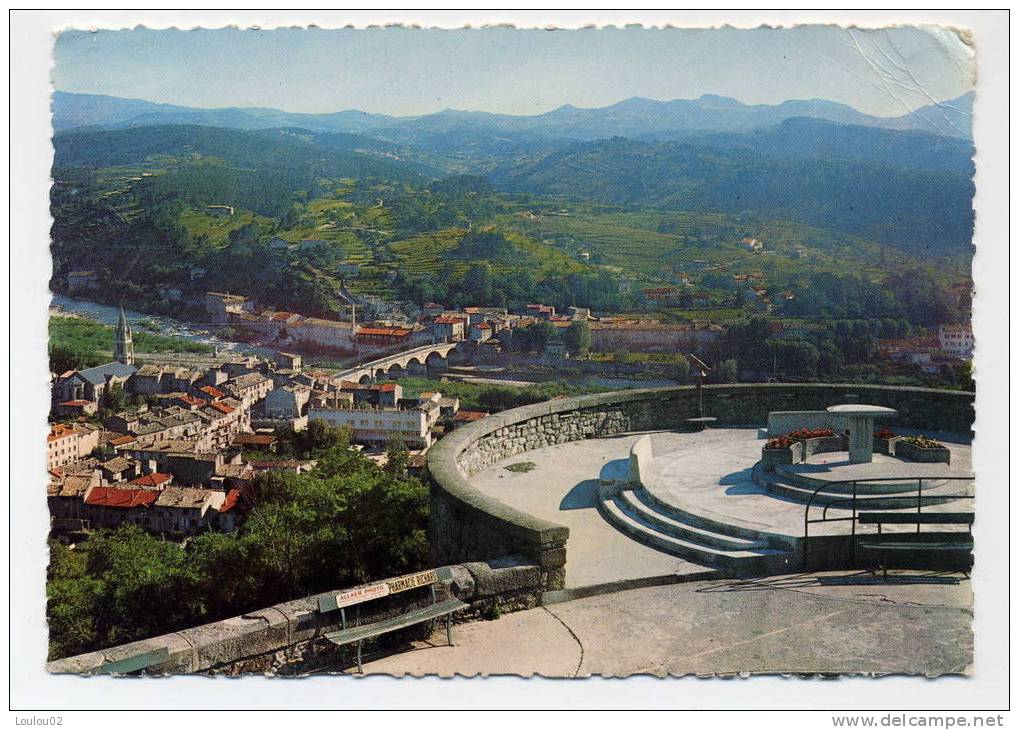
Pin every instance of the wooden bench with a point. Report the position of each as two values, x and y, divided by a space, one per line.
135 663
918 519
358 634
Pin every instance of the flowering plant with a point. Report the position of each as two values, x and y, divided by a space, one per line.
811 433
779 442
884 433
924 442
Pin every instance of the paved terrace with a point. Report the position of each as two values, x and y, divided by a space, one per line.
832 622
563 488
708 472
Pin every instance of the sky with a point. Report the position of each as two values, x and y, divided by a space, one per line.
404 71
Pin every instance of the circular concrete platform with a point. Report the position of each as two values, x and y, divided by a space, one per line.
698 506
884 473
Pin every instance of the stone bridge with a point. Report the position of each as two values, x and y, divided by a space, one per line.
416 361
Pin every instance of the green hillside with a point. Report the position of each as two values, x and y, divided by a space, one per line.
139 215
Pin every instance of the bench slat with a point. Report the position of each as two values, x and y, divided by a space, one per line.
949 546
136 663
916 518
357 633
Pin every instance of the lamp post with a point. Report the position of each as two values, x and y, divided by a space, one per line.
702 372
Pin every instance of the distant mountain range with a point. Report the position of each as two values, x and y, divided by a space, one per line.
636 117
902 181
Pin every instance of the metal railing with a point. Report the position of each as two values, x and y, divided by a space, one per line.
855 502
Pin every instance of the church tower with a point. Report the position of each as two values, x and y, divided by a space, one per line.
123 344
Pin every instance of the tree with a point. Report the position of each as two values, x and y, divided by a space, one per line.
115 399
533 338
397 456
964 376
578 338
320 436
682 368
726 371
64 357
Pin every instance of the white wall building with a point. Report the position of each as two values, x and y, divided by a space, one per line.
377 425
956 339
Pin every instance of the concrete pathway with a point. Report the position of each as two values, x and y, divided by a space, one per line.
835 622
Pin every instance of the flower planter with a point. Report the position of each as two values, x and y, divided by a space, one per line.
886 446
822 445
770 458
912 452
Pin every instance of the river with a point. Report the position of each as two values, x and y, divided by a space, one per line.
156 324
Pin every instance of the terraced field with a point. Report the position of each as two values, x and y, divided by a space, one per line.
216 228
424 254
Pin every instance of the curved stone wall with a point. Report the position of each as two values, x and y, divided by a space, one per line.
468 525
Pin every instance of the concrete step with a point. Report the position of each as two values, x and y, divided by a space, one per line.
631 502
895 500
736 562
711 524
807 481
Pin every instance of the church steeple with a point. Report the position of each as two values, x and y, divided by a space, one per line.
123 343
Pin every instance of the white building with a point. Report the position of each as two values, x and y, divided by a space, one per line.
286 402
69 443
956 339
377 425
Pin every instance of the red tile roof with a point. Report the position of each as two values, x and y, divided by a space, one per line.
388 387
469 415
212 391
383 332
232 498
259 439
222 407
154 479
449 319
121 440
59 431
283 464
126 498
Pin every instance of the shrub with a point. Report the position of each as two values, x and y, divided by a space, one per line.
779 442
924 442
492 611
884 433
811 433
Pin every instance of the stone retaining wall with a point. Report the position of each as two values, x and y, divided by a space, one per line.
468 525
289 638
783 422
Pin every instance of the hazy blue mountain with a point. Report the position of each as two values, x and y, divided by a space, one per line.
631 118
79 110
825 140
952 118
331 154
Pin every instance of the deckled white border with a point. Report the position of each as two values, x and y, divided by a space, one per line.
33 689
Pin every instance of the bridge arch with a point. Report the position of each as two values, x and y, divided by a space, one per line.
436 360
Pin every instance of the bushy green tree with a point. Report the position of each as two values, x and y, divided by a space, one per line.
578 338
397 456
726 371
